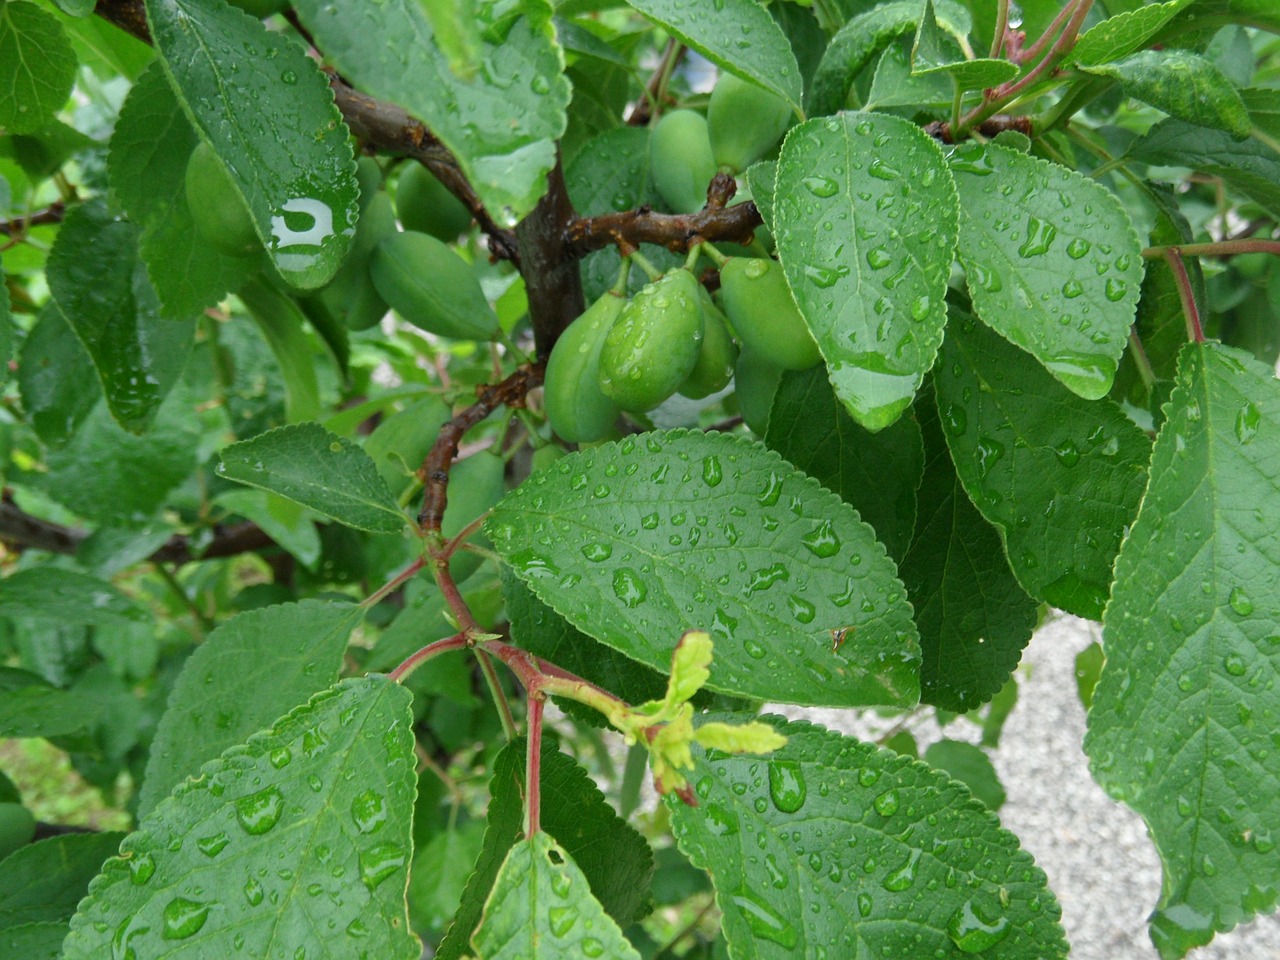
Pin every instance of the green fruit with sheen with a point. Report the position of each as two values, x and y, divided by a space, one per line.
432 287
426 205
351 296
681 160
576 407
476 484
17 827
744 122
261 8
755 381
369 177
717 356
755 297
217 208
545 456
653 346
400 443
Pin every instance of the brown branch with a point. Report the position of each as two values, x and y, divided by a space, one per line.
434 472
53 213
657 84
941 130
552 279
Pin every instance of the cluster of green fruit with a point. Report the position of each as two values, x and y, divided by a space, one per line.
412 271
672 336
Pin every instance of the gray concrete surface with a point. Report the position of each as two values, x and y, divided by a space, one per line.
1096 853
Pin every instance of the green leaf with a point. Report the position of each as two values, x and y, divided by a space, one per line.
439 875
502 125
308 465
907 836
146 168
328 791
974 619
1124 33
933 52
266 109
1051 259
6 332
33 941
49 593
541 907
43 882
31 707
971 766
1211 14
736 35
1058 476
37 67
102 287
1263 104
865 217
283 521
616 860
862 37
1178 729
714 532
281 322
1181 84
1247 166
55 378
1088 668
875 473
296 650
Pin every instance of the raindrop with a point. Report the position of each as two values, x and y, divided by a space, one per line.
369 811
822 540
1078 247
887 803
141 869
1247 421
259 812
1239 601
976 927
865 903
712 473
1040 236
764 920
379 862
786 785
821 186
1115 290
597 552
253 892
561 920
628 587
183 918
1234 664
1067 453
213 845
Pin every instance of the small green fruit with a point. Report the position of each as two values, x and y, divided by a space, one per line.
351 296
425 205
681 158
432 287
744 122
714 367
476 484
759 306
755 381
17 827
216 206
576 407
653 346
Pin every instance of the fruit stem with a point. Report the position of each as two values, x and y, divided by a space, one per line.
652 272
716 257
692 259
619 287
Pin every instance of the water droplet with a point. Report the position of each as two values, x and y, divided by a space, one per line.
1234 664
562 920
1240 602
822 541
1115 289
712 473
379 862
1072 289
280 757
1087 376
821 186
290 78
887 803
720 821
988 453
369 811
592 947
801 609
766 577
141 869
882 171
955 419
259 812
1078 247
1040 236
754 650
213 845
1247 421
786 785
770 495
335 447
764 920
902 878
597 552
628 587
865 903
1067 453
253 892
183 918
867 776
878 258
977 926
1177 929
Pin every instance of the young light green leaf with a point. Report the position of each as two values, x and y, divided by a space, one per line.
146 168
865 215
502 125
736 35
689 530
281 323
1178 726
1051 259
266 109
1088 668
43 882
911 836
104 293
934 53
1058 476
439 875
974 619
1124 33
875 473
327 791
971 766
49 593
615 860
37 67
309 465
31 707
1248 166
542 909
296 650
1183 85
55 378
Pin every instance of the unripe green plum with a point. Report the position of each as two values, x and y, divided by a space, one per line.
576 407
653 346
260 8
476 484
744 122
759 306
217 208
425 205
717 356
432 287
546 455
755 381
369 177
17 827
681 158
351 296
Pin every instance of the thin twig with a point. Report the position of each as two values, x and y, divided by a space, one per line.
1173 257
533 768
18 226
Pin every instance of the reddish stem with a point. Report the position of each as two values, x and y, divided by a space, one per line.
1173 257
458 641
394 583
533 768
1220 248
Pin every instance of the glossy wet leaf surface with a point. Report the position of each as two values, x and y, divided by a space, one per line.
638 541
1183 717
832 847
1183 85
1058 476
1125 32
501 123
298 839
318 469
267 111
296 650
55 378
1051 260
541 908
37 67
67 596
865 218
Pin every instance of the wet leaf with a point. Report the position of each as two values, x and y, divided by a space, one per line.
37 67
1183 85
